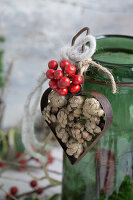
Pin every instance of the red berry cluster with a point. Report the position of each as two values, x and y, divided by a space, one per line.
13 192
34 184
2 164
64 78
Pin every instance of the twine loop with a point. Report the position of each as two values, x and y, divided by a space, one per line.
75 53
80 55
83 66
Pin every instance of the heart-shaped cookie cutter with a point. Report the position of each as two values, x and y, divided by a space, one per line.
108 120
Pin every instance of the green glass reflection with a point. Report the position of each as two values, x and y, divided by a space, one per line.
107 175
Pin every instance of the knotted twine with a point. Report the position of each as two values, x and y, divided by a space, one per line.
75 55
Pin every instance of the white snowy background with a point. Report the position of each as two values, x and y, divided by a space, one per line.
35 30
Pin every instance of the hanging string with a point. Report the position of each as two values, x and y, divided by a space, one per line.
28 136
76 55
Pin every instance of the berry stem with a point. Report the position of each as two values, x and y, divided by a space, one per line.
51 180
12 196
27 166
33 191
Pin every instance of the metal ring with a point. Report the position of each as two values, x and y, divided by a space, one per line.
79 33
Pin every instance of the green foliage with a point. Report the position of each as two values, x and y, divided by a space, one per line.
18 141
125 191
11 136
102 196
54 197
2 39
33 197
3 144
1 68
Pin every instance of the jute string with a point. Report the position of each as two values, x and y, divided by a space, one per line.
83 66
32 145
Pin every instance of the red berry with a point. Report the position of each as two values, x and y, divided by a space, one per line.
74 88
53 84
64 82
58 83
53 64
2 164
39 190
77 79
36 160
8 196
64 63
70 70
50 160
18 155
33 183
22 162
50 73
13 190
58 74
62 91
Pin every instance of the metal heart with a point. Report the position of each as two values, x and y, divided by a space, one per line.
108 120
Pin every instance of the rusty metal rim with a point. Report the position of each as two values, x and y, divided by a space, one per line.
108 116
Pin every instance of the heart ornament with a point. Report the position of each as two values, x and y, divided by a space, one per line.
77 118
77 121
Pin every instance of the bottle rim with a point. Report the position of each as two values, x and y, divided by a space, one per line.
109 36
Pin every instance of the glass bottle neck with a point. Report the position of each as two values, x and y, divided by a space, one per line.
116 54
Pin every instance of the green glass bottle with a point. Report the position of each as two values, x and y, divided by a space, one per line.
106 172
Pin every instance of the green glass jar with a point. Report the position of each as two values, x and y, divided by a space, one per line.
106 172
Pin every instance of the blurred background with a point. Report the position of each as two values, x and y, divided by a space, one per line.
32 33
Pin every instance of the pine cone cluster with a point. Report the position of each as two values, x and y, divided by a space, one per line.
77 120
